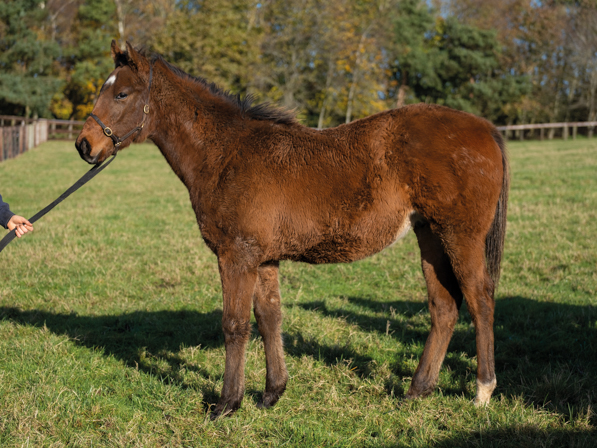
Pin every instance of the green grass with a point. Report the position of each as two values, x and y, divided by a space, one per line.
110 331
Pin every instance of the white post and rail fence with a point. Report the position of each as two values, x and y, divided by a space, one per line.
567 129
18 134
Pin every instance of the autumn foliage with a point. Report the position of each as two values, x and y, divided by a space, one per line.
511 61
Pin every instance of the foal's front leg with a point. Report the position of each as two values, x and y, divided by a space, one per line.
238 286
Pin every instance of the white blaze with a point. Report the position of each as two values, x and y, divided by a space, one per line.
110 80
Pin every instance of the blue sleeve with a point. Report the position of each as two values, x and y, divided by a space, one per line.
5 213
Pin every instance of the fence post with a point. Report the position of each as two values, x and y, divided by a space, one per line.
574 130
565 132
23 137
43 131
70 129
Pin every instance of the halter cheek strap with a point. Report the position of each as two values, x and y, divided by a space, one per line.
108 131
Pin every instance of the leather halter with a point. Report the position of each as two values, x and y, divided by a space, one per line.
108 131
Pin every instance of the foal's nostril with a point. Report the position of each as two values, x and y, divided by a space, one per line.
84 147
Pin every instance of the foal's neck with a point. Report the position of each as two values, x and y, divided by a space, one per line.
194 126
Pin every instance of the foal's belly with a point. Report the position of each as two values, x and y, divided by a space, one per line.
362 239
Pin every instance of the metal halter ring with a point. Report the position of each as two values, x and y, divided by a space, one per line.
108 132
146 109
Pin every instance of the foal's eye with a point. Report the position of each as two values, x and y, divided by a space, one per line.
121 96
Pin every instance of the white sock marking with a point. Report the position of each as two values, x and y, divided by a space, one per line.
484 391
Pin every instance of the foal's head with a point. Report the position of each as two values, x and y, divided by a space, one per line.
121 111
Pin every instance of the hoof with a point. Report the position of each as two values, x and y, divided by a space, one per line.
484 391
224 410
411 396
269 399
415 392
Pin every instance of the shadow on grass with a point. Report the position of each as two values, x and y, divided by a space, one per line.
545 352
524 436
151 341
296 345
401 321
518 436
148 341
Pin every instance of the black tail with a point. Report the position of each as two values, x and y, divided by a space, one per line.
494 242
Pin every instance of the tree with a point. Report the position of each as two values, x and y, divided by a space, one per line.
86 57
333 61
582 90
217 40
324 58
411 47
532 38
26 76
138 20
442 60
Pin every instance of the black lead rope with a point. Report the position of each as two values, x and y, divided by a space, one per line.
78 184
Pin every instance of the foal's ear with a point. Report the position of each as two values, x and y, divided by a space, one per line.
117 54
134 58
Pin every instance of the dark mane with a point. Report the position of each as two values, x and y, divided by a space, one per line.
264 111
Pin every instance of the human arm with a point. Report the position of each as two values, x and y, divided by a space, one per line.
5 213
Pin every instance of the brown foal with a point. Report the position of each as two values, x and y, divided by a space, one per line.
265 188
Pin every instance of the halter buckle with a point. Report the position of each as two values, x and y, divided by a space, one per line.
108 132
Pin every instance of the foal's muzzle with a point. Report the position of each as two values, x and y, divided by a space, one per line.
84 149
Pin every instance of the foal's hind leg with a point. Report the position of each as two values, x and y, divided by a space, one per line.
445 299
468 261
269 321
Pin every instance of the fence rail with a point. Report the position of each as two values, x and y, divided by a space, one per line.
18 134
565 127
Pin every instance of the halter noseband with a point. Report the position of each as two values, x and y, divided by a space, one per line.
108 132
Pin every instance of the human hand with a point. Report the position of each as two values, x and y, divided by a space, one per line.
21 224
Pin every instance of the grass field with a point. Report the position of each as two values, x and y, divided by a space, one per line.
110 322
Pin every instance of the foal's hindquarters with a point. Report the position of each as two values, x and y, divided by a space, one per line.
464 210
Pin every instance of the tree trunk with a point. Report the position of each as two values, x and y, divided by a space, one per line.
292 81
401 97
120 17
328 82
593 88
355 77
353 88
